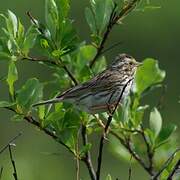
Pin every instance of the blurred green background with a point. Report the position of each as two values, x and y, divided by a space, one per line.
153 33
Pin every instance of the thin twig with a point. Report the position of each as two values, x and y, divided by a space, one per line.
33 20
161 101
165 165
175 169
1 172
111 47
130 169
10 142
126 145
150 152
87 158
32 121
68 72
77 158
13 162
104 39
61 65
114 18
101 144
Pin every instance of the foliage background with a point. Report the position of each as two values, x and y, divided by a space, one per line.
153 33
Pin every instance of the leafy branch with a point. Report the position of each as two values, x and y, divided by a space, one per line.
101 144
115 17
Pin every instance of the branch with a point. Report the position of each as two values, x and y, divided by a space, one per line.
10 142
13 162
150 153
52 62
126 145
114 18
69 73
62 65
101 144
32 121
87 158
130 170
77 158
134 154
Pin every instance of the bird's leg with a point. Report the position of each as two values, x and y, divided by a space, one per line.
110 106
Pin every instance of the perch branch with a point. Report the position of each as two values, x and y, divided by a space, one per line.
114 18
101 144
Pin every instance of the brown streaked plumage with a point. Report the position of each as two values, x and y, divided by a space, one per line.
102 91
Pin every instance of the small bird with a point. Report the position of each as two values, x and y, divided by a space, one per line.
102 92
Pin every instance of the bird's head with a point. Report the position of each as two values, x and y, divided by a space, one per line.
125 63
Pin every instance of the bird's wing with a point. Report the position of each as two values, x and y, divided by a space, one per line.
100 82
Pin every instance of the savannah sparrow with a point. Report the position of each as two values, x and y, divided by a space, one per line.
103 91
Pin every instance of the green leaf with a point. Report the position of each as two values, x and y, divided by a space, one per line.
51 16
6 104
4 56
150 136
41 112
90 20
67 38
68 128
165 133
155 121
63 8
147 75
56 118
30 93
139 114
100 65
102 10
17 118
30 39
12 23
84 55
12 77
57 53
4 48
119 150
108 177
20 34
85 149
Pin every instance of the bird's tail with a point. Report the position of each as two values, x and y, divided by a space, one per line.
50 101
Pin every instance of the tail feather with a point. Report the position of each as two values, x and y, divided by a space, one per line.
51 101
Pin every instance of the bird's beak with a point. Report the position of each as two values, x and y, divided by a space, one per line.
139 64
